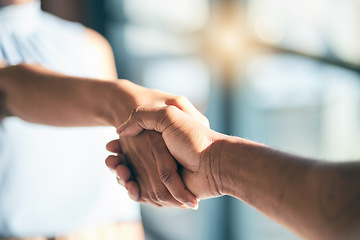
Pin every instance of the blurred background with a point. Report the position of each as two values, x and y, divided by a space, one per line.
281 72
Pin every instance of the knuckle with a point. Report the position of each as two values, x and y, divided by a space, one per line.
169 111
155 141
166 177
164 118
181 99
136 111
161 196
153 197
144 198
206 121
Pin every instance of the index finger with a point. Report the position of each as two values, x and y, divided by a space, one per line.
169 176
114 146
185 105
158 119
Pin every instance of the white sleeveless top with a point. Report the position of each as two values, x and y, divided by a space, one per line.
53 180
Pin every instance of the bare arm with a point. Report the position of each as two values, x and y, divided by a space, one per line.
41 96
38 95
316 200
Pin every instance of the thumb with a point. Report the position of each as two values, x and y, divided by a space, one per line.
157 119
186 106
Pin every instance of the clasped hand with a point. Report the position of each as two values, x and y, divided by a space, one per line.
145 166
179 144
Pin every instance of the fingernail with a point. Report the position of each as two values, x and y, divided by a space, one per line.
191 205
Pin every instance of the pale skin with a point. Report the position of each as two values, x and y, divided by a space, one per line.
24 91
38 95
314 199
41 96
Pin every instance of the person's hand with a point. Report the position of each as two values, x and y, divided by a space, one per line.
142 156
188 140
145 169
141 96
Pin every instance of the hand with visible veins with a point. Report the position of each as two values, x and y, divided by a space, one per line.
38 95
314 199
190 153
153 167
147 171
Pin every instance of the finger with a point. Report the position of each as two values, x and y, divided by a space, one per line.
119 181
145 193
132 186
114 146
134 193
133 190
152 193
169 176
185 105
144 187
113 161
123 174
136 131
157 119
158 192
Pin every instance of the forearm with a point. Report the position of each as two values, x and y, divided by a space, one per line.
41 96
294 191
314 199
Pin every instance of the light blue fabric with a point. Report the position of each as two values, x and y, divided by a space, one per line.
53 180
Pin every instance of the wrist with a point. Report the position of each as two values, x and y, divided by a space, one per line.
124 96
228 167
227 162
215 165
119 100
239 167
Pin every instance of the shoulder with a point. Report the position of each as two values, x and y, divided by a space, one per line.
103 52
96 52
98 43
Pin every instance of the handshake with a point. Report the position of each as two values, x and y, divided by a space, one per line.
167 157
155 165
